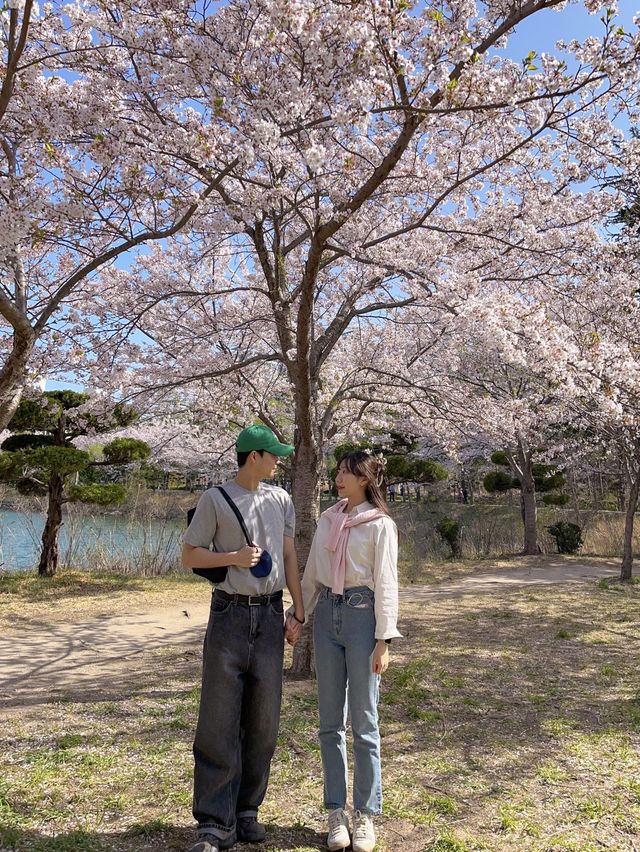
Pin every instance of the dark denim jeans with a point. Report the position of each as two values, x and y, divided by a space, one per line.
239 712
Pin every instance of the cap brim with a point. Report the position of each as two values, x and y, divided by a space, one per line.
280 450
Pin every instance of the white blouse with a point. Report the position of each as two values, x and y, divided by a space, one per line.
372 561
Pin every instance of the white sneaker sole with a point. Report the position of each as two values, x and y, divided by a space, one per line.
339 843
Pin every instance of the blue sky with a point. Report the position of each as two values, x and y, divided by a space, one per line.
544 29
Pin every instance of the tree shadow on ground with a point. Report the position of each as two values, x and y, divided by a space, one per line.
502 685
482 693
62 665
152 836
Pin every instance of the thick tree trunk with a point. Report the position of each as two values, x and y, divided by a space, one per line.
626 570
522 465
12 376
305 486
49 556
530 513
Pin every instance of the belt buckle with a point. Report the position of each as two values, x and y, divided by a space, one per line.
255 600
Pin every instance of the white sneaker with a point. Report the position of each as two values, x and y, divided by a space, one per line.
338 830
364 837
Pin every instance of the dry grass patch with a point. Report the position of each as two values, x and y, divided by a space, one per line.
25 597
429 573
523 709
510 721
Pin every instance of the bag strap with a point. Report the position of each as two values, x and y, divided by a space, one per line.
236 512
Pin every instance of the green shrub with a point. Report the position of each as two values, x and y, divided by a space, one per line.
102 495
449 532
126 450
497 480
555 499
568 536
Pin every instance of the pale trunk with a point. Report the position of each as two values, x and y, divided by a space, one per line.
524 472
12 377
530 513
627 556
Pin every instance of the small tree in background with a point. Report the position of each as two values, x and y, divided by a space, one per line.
409 469
39 458
547 479
568 536
449 531
401 465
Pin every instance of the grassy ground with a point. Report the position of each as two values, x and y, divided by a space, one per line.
25 597
510 721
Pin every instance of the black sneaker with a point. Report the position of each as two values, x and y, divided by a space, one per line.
211 843
249 830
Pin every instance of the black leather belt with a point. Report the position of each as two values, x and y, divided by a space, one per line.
249 600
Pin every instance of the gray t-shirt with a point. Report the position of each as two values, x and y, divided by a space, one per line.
269 516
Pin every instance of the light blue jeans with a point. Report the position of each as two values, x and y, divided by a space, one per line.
344 637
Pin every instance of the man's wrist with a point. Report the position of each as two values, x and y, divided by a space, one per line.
298 619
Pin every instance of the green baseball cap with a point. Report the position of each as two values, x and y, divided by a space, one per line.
261 438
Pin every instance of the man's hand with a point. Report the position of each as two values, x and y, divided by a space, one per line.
292 630
247 556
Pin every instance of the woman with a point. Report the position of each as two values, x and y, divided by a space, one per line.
350 580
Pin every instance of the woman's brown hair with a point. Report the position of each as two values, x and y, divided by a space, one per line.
365 464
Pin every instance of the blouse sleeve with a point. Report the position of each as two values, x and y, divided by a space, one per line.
385 580
311 588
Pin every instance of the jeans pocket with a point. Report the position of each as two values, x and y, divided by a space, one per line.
277 608
219 605
360 600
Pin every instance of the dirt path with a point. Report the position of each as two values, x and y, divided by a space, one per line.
55 660
532 575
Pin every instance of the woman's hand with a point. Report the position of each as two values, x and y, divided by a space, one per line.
380 657
292 629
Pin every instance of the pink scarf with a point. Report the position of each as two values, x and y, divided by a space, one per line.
339 536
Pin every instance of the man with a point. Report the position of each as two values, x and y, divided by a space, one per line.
244 646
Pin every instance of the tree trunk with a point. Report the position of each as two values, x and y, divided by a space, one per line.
305 487
530 516
575 497
49 556
522 465
627 556
621 492
12 376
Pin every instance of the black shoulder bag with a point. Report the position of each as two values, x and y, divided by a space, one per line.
217 575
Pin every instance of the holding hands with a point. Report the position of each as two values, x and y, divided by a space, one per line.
293 627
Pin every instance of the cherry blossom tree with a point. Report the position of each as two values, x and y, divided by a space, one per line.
598 308
355 152
85 177
183 442
498 381
604 319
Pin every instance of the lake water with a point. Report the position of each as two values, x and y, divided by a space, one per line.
100 541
